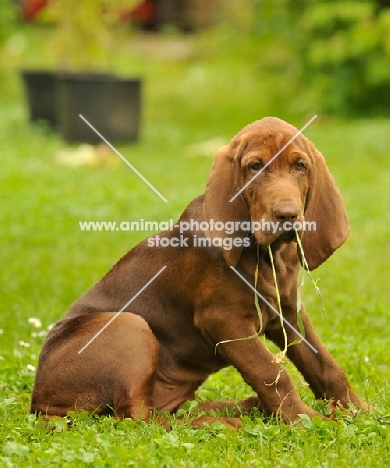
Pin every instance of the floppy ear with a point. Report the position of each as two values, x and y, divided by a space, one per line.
325 207
222 185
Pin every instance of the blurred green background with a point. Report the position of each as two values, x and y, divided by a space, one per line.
298 55
204 78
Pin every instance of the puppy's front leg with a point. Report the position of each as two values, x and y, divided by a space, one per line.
320 370
258 367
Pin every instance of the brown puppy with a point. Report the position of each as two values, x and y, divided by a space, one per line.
163 346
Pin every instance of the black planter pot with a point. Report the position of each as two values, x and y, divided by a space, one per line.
40 93
112 105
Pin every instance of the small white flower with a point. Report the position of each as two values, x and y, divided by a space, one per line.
35 322
40 334
366 359
31 368
1 331
24 344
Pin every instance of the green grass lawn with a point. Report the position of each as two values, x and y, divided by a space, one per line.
47 263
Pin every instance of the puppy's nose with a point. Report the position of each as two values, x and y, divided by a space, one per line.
286 212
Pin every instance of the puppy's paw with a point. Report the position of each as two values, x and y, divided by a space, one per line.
336 408
234 423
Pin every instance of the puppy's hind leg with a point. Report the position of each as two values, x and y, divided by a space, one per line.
134 358
116 370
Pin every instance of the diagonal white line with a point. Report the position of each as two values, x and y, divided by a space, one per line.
123 308
272 159
124 159
275 310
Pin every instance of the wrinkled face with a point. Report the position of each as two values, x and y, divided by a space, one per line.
294 184
276 197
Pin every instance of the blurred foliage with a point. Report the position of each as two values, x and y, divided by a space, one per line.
86 33
335 55
300 56
8 14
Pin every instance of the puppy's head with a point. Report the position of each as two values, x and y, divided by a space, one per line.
277 180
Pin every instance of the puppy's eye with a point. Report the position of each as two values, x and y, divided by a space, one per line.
256 166
300 166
